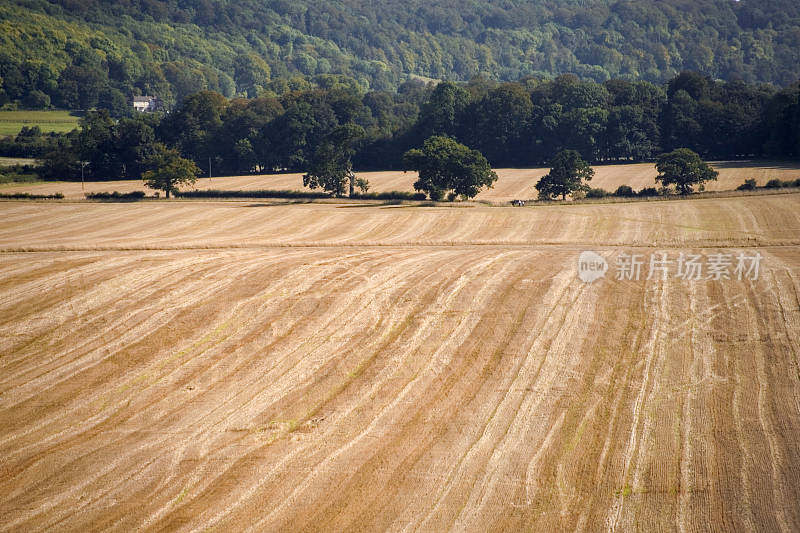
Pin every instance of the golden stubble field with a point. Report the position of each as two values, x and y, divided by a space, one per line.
239 366
511 184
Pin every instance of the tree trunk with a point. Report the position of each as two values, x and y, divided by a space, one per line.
352 184
167 193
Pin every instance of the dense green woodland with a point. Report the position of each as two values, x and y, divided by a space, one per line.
522 123
80 54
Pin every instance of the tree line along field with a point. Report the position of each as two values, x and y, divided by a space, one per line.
512 183
235 366
11 122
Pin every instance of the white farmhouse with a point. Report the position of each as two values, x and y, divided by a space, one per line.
145 104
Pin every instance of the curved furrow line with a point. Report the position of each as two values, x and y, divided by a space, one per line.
769 403
395 462
123 385
50 324
525 376
20 295
741 407
36 221
24 268
382 422
310 225
74 225
134 285
164 307
358 230
365 345
617 347
385 409
576 465
354 301
556 362
99 409
788 297
651 348
687 451
730 478
649 476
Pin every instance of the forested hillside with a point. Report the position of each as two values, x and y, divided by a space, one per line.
84 53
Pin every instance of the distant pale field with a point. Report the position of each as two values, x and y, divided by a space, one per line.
11 161
511 184
359 367
11 122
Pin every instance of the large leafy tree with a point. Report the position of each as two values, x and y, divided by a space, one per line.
567 175
446 166
169 170
331 166
684 169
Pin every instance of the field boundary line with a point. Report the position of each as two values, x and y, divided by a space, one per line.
445 245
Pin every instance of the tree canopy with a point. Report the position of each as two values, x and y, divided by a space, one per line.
449 169
567 175
684 169
169 170
331 167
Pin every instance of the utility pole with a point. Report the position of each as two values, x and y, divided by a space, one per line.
83 186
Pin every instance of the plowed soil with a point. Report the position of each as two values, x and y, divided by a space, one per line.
254 367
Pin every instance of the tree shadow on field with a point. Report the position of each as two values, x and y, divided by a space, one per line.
274 204
751 163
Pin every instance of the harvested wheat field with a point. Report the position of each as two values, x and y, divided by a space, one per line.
270 367
511 184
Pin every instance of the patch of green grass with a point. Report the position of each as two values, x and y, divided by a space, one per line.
11 122
182 495
6 179
624 491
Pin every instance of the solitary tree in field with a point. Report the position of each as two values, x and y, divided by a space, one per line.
331 166
169 170
447 167
684 169
567 175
